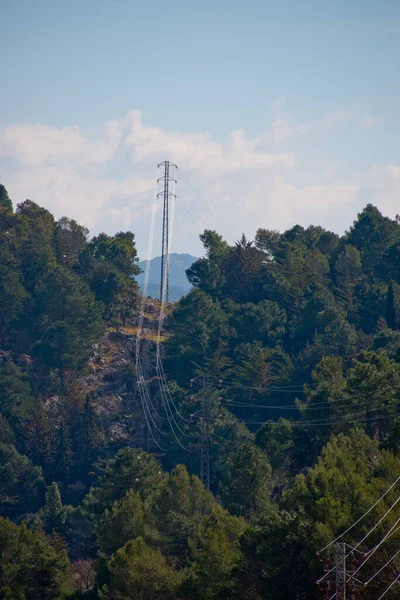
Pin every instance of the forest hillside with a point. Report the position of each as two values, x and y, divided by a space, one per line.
291 344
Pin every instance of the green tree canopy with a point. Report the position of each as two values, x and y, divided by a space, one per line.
6 206
130 469
54 513
136 571
30 567
67 321
123 522
21 484
16 402
246 489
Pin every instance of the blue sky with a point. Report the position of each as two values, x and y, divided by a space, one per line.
276 112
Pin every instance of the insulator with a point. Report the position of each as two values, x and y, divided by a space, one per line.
191 382
192 398
220 383
219 416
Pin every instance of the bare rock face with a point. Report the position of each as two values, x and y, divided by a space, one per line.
21 360
109 379
110 376
4 357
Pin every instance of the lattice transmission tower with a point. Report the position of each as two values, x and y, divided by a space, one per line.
341 579
166 194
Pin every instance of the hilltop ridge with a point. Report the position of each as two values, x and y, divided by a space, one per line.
178 284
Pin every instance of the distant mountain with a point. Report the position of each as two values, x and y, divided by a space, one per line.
178 283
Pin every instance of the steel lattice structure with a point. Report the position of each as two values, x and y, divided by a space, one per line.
166 194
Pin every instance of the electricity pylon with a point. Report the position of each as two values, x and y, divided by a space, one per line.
166 194
340 578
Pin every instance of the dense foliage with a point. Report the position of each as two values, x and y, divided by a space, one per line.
294 342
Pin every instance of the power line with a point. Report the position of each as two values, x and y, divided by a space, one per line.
281 388
169 414
144 393
139 372
385 537
382 568
334 403
161 370
147 421
142 384
197 215
389 587
349 418
393 533
367 555
362 516
167 233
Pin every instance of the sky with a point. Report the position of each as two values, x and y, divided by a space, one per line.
276 112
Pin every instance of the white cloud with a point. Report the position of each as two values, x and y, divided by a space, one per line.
394 171
276 202
280 102
282 130
64 191
36 145
311 203
198 152
381 186
369 121
39 145
341 116
105 178
67 169
328 170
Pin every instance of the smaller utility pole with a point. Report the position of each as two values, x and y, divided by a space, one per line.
205 437
341 575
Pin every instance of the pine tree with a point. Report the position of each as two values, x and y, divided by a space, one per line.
124 522
348 276
136 571
390 313
67 321
39 435
54 513
130 468
70 239
89 439
30 567
21 483
62 454
247 487
15 396
6 209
